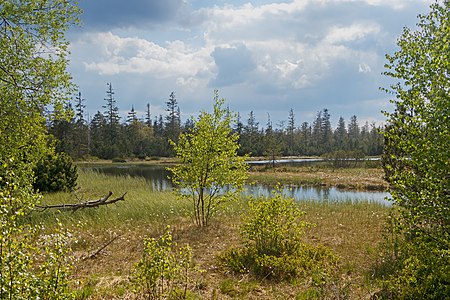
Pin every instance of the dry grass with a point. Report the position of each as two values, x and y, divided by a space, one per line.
353 231
348 178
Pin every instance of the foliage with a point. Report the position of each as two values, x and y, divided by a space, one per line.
55 173
210 173
416 159
411 268
272 243
33 61
31 265
164 270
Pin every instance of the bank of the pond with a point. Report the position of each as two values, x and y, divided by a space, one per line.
362 179
315 172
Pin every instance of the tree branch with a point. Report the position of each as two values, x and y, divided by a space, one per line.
87 204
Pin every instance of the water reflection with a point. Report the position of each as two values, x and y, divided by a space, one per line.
324 194
158 179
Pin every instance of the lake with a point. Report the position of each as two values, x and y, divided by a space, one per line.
158 179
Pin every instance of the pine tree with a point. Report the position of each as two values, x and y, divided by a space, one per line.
98 135
305 138
290 133
317 134
173 121
132 116
272 147
327 133
353 134
148 116
112 118
81 134
79 109
340 135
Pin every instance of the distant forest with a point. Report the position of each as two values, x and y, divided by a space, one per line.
106 136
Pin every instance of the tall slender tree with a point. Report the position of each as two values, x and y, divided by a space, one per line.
81 129
79 109
290 130
173 120
353 134
112 119
148 116
340 135
327 132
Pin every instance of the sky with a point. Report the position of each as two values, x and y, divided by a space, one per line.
265 56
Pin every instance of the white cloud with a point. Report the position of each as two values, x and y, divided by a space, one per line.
340 34
137 55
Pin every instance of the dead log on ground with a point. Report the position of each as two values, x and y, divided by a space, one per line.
76 206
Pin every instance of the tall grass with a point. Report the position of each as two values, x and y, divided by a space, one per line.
141 205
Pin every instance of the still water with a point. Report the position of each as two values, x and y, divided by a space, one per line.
158 179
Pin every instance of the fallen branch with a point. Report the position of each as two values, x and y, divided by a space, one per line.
75 206
95 253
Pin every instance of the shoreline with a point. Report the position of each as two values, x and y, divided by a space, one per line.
354 178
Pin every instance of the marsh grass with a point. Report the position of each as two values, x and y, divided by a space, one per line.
141 205
347 178
351 230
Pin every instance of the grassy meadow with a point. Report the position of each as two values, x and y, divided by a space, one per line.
352 231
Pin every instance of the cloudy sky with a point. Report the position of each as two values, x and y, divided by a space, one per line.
265 56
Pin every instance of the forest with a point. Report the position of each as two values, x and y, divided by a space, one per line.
108 136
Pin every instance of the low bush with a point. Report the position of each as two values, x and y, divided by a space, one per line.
412 266
272 246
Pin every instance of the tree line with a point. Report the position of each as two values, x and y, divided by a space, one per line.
109 136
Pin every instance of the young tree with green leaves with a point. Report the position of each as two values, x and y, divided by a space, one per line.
416 157
33 76
210 172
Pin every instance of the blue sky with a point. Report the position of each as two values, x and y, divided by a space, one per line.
265 56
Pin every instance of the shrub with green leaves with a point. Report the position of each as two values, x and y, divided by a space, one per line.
54 173
416 158
164 270
272 246
32 265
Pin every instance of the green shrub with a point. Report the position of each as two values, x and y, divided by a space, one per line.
164 271
412 267
32 265
55 173
272 243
